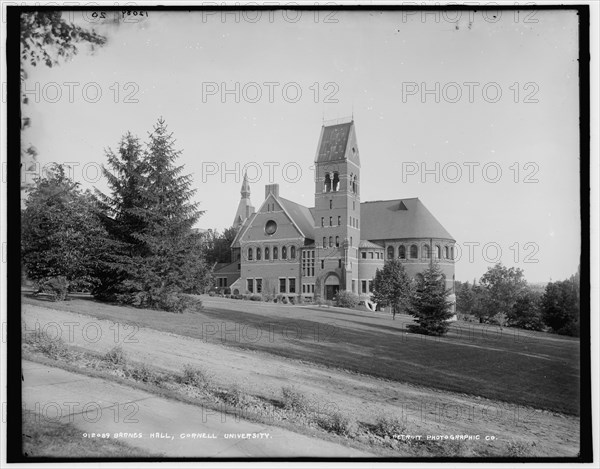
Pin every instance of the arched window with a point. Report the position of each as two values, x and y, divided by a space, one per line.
337 241
293 252
336 182
414 251
331 241
258 254
324 242
390 252
402 252
267 254
446 252
327 186
354 185
275 253
452 253
330 221
339 220
426 252
330 204
250 254
438 251
284 252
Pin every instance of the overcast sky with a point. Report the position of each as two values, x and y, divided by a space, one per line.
518 151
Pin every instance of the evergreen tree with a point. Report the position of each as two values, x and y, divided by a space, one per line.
152 214
391 286
62 239
125 175
429 303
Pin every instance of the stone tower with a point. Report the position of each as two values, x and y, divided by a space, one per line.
337 208
245 208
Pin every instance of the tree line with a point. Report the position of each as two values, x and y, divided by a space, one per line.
134 245
504 297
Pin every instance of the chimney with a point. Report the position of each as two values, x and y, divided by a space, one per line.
272 189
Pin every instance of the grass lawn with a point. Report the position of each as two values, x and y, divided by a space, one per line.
46 438
531 369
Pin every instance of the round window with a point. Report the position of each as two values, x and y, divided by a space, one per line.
271 227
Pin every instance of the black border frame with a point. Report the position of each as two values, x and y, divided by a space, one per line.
14 374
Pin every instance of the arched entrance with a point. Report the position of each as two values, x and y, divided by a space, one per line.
332 286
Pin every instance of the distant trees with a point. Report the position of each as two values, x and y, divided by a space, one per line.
499 289
429 303
525 312
391 286
560 306
62 239
504 296
217 246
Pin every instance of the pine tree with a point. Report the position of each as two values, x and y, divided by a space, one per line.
126 179
429 304
151 222
391 286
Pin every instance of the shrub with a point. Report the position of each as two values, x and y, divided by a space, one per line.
347 299
267 297
193 376
143 373
116 356
212 293
56 287
255 298
54 349
235 396
335 423
517 449
388 427
294 400
284 300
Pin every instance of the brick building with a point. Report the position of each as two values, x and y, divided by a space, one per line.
286 248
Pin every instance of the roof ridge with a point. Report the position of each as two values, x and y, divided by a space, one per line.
390 200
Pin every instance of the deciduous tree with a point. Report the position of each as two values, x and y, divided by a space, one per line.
391 286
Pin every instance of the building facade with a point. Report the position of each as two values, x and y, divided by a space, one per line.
289 249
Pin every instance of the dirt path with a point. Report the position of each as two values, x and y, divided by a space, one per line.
425 411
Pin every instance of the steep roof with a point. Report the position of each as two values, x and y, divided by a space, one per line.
337 142
301 215
400 218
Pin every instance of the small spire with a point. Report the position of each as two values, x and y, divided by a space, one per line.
245 187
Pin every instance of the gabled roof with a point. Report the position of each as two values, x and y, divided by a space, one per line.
301 215
400 218
364 244
337 142
236 241
225 268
